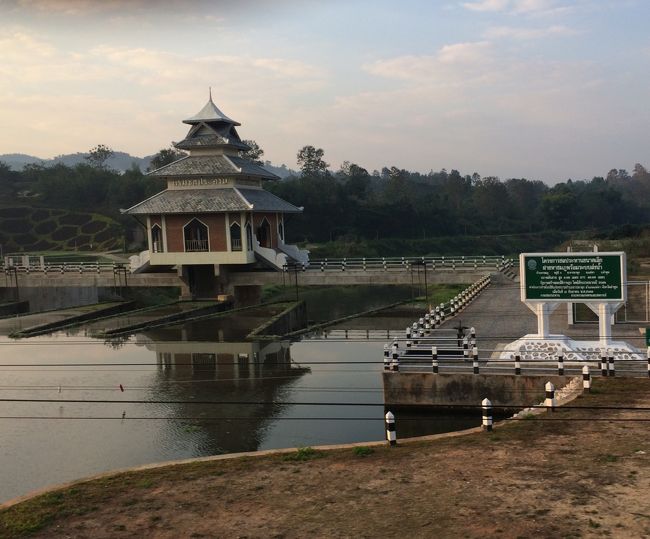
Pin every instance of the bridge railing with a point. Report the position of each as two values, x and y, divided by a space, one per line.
64 268
431 263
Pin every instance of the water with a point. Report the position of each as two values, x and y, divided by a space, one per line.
256 390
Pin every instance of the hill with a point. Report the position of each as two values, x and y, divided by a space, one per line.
119 161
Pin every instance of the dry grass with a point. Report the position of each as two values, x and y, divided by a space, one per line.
531 478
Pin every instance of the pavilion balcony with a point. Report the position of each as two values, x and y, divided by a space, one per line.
235 244
196 246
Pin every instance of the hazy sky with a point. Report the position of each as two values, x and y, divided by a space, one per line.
542 89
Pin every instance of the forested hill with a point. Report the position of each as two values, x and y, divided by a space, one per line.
352 204
397 203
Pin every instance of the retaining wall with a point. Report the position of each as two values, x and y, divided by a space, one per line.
458 390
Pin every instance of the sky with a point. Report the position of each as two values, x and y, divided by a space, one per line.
541 89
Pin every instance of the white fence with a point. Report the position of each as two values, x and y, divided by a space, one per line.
430 263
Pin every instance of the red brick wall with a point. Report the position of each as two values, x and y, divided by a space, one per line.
216 223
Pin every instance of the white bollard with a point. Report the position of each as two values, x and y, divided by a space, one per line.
612 368
560 363
603 363
486 405
386 358
550 401
434 359
475 360
517 364
586 379
391 434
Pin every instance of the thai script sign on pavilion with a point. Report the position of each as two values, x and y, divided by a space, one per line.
573 277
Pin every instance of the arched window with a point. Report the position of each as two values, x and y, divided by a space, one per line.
249 236
156 239
263 233
281 229
195 234
235 237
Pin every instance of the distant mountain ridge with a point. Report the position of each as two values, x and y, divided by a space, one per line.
120 161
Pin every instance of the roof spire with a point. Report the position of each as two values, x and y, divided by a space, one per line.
210 113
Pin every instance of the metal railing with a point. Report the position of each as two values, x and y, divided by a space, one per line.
431 263
194 246
66 267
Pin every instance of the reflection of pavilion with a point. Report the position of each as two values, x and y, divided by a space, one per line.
244 372
233 360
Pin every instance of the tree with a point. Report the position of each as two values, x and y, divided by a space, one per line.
310 161
254 154
98 156
165 157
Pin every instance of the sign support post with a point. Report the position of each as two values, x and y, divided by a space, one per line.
597 279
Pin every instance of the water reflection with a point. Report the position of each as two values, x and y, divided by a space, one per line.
253 376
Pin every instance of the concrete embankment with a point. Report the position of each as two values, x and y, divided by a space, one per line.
287 321
13 308
413 389
157 316
72 317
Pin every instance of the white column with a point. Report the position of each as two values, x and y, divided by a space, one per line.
543 323
228 247
149 240
163 224
604 323
244 239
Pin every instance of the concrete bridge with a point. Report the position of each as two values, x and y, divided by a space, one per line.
83 283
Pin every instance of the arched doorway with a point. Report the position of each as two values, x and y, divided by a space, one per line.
195 234
156 239
249 237
235 237
263 233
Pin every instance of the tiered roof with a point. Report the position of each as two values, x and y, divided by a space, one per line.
233 199
214 134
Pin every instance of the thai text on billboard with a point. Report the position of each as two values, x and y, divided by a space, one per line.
566 277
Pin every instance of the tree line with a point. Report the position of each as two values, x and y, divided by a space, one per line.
352 204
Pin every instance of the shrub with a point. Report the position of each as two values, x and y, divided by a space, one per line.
64 233
26 240
45 228
43 245
93 227
40 215
303 453
15 225
75 219
20 212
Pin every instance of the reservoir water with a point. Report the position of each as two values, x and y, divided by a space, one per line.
207 392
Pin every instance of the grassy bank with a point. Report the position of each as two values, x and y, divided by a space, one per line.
555 475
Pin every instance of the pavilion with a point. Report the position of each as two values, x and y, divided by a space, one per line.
215 214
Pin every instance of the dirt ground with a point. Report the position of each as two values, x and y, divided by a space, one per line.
554 475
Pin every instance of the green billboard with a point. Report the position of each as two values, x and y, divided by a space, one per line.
579 277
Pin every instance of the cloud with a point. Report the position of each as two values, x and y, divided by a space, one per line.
535 7
521 33
487 5
470 59
133 98
470 52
